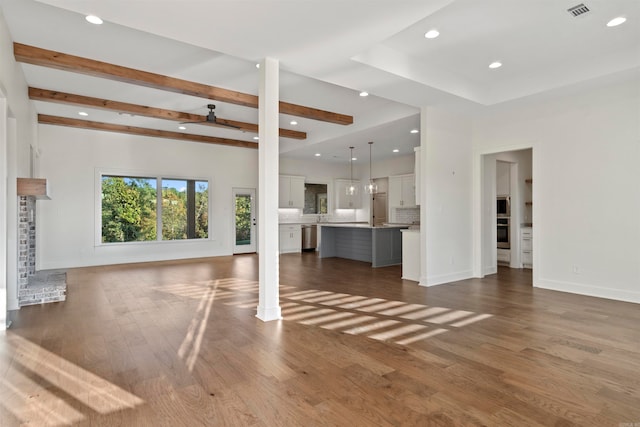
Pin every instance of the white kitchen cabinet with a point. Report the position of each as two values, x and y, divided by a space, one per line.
290 238
402 191
345 201
291 192
526 246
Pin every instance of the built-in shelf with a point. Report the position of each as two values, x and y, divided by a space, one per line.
36 187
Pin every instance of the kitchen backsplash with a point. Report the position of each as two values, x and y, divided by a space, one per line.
408 215
295 216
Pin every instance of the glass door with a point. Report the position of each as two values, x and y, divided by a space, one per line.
244 230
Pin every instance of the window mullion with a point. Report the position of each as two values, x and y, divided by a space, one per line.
191 209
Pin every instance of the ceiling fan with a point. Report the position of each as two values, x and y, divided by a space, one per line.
212 119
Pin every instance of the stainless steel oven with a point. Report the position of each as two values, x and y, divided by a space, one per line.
503 206
503 233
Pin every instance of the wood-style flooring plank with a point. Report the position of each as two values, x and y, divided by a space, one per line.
178 344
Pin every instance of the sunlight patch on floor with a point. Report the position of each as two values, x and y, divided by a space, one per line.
376 318
385 320
401 330
420 337
42 397
378 324
349 322
32 404
190 346
327 318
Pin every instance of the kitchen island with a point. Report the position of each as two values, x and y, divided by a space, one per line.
381 246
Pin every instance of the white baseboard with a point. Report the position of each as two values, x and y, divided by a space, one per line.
589 290
490 270
269 314
447 278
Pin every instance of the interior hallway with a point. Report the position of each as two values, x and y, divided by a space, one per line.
178 344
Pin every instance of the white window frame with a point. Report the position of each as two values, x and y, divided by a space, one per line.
99 173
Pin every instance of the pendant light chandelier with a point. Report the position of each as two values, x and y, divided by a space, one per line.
351 189
371 187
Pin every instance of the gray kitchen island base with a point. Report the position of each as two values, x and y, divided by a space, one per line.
381 246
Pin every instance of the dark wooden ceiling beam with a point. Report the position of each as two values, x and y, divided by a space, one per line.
52 59
142 110
133 130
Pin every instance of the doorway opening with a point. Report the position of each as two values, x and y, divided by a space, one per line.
508 214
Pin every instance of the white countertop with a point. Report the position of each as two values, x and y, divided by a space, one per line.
359 225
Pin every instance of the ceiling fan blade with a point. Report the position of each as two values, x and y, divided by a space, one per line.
226 125
194 123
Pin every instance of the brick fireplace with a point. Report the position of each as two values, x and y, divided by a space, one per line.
34 287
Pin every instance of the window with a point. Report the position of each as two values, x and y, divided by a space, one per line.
130 210
315 199
185 208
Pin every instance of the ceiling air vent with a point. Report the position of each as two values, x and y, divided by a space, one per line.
578 10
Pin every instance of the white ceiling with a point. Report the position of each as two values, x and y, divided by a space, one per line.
329 51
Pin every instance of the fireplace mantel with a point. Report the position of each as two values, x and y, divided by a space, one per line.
36 187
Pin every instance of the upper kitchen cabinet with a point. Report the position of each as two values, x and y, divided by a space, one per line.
503 177
343 200
291 193
402 191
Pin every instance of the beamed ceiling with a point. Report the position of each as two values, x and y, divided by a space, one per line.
154 66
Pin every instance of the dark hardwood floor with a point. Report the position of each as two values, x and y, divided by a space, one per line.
178 344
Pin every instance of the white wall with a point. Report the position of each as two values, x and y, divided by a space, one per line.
586 182
446 175
18 128
70 160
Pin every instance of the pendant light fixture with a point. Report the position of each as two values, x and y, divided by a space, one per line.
351 189
371 187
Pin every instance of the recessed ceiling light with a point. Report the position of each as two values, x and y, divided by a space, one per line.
182 127
616 21
395 150
317 154
293 122
93 19
432 34
354 158
256 138
495 64
414 131
83 114
258 65
363 93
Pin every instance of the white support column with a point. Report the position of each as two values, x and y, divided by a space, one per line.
268 175
423 197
